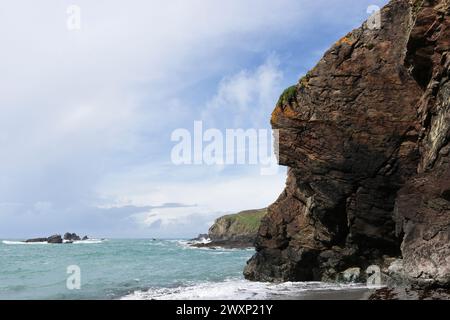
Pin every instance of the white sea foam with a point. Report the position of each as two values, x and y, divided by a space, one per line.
189 243
239 289
204 240
90 241
22 242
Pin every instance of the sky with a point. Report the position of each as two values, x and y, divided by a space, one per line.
87 112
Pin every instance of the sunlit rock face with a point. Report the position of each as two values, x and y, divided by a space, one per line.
365 136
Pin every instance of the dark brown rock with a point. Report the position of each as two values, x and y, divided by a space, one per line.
55 239
36 240
71 236
410 293
365 136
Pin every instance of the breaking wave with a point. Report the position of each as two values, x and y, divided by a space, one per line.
244 290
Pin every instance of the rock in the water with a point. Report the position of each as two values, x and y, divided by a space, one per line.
37 240
68 238
200 237
55 239
85 238
365 135
71 236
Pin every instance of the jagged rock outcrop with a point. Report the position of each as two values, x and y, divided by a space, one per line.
36 240
52 239
55 239
365 135
235 230
68 238
71 237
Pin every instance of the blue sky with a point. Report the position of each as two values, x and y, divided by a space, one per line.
86 116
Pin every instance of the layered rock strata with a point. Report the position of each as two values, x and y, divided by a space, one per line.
365 135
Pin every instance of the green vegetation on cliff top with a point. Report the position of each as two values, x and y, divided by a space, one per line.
288 95
244 222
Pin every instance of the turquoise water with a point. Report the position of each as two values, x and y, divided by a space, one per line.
142 269
111 269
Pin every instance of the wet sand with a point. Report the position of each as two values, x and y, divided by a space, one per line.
353 294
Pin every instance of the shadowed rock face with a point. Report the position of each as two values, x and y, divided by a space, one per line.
365 136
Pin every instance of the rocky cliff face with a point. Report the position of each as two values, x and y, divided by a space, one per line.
365 136
237 230
239 227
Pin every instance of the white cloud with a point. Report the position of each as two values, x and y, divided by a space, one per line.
247 95
209 198
81 109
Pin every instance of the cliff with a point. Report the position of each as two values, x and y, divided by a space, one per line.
235 230
242 226
365 135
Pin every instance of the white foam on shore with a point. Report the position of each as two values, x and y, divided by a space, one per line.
238 289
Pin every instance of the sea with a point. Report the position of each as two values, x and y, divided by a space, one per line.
143 269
